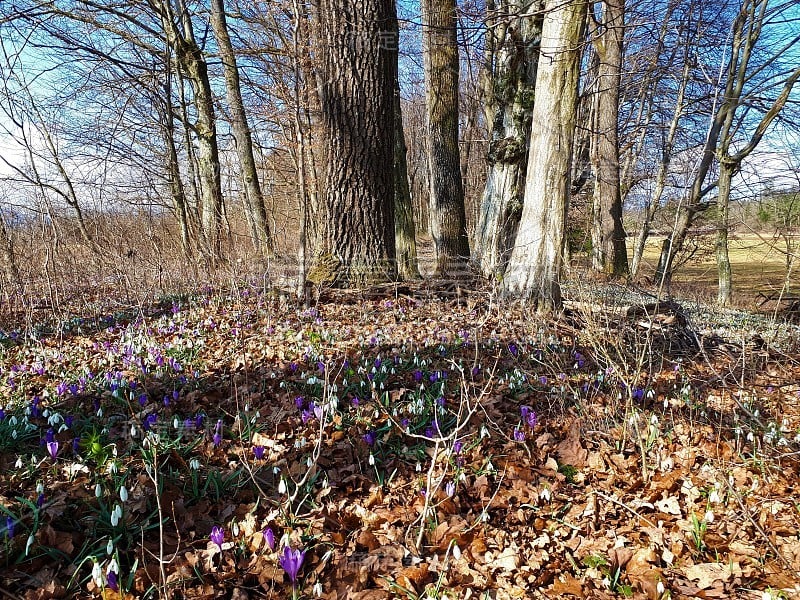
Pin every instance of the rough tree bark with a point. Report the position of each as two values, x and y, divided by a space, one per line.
534 269
357 71
241 131
513 36
609 254
447 216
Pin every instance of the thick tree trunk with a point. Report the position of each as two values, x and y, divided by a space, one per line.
609 254
404 230
515 35
358 70
241 131
534 269
726 171
447 216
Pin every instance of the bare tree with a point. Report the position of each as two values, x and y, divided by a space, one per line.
241 130
609 254
512 52
357 74
536 260
448 225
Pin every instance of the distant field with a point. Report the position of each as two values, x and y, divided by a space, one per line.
757 264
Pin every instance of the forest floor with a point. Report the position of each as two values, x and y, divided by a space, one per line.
411 442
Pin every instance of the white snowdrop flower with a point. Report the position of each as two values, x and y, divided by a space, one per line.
660 589
456 552
194 464
650 393
97 574
40 488
485 517
133 431
371 459
12 420
53 419
113 468
14 434
606 582
490 467
418 467
282 486
110 547
176 423
63 428
317 589
100 412
18 464
112 566
654 420
309 462
98 491
750 436
247 407
114 518
484 432
709 516
276 470
235 530
258 414
123 493
545 494
714 497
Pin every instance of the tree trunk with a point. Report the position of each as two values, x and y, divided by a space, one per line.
448 226
404 230
509 93
241 130
609 254
358 70
726 171
191 61
534 269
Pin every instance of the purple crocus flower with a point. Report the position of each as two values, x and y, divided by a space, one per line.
52 448
519 435
112 580
370 438
269 538
291 561
512 348
10 527
457 447
259 452
218 433
217 536
40 501
528 416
